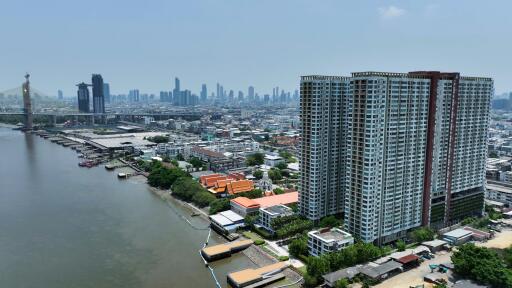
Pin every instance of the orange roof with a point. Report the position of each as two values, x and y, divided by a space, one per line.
210 182
240 186
245 202
286 198
205 177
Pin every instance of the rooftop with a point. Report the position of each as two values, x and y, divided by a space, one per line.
278 209
458 233
285 199
499 188
245 202
250 275
328 235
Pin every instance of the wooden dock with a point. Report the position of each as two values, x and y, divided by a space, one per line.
216 252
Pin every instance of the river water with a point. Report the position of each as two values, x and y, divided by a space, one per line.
66 226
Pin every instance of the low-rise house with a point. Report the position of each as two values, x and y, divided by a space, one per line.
347 273
226 222
435 245
328 240
382 271
267 214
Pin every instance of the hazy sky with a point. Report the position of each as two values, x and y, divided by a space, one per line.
265 43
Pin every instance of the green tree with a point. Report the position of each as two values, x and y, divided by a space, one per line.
219 205
255 193
400 245
329 221
281 166
298 246
482 265
422 234
180 157
318 266
258 174
255 159
275 174
250 220
196 162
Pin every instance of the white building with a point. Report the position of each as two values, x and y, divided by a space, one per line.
328 240
272 160
393 150
272 212
499 193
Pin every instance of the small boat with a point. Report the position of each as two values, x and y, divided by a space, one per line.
110 167
195 214
122 175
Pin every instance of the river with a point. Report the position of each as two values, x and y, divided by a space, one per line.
66 226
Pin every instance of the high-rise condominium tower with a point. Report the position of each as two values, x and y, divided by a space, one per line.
98 99
393 151
83 98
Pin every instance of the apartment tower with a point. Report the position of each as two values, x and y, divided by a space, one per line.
408 150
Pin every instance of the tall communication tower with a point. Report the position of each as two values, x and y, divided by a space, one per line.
27 105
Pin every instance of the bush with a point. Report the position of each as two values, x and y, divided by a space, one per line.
400 245
259 242
158 139
219 205
283 258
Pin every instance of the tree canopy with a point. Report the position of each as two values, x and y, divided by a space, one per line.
482 265
255 159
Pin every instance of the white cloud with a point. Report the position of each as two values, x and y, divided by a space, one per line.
391 12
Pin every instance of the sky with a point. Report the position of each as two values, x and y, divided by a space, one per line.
264 43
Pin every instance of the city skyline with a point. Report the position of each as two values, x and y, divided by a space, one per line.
247 42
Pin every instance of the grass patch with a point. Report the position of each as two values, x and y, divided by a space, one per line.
251 235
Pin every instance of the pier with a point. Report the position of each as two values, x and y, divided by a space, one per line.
216 252
252 278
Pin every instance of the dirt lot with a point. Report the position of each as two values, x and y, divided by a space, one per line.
502 240
414 276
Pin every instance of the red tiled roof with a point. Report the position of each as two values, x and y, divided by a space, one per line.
285 199
245 202
203 178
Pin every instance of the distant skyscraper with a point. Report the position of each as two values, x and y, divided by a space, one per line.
98 100
393 151
240 96
231 96
134 95
60 95
177 95
83 98
204 93
106 92
250 94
